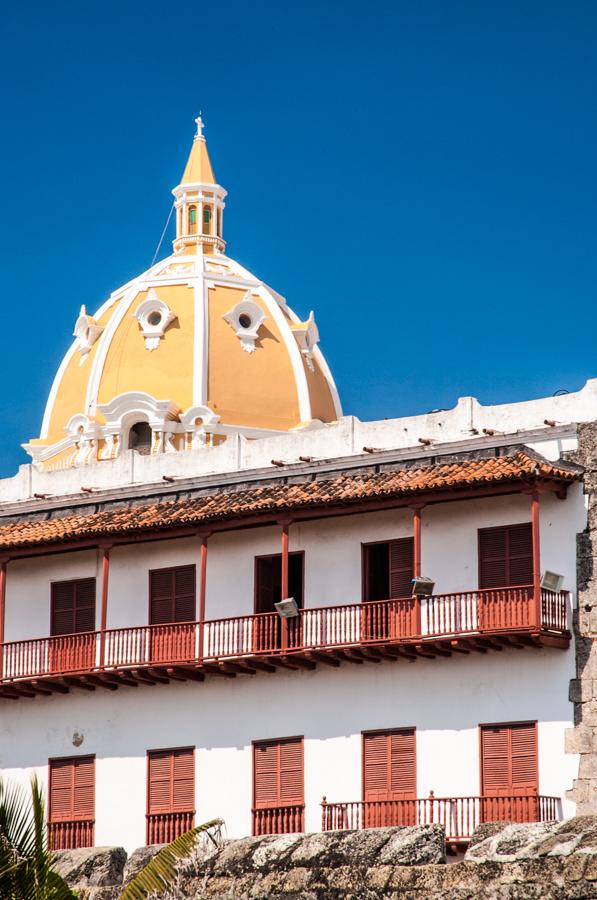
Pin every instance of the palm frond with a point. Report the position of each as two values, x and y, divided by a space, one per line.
26 864
160 872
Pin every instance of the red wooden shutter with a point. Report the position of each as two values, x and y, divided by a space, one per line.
172 595
185 602
159 782
523 743
84 605
278 773
72 606
62 608
401 567
291 772
265 764
171 781
72 789
183 780
495 761
509 760
61 789
520 554
84 788
505 556
389 765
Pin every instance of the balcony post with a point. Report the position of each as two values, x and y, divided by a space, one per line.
105 555
2 612
536 557
417 560
202 590
285 523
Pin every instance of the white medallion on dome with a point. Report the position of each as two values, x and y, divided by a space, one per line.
86 332
246 318
154 316
307 337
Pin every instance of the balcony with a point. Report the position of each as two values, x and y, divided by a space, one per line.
279 820
459 815
464 622
161 828
62 835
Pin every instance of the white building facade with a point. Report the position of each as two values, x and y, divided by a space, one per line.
146 674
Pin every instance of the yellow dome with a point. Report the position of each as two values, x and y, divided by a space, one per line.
193 350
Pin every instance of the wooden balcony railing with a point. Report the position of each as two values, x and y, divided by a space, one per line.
279 820
69 835
161 828
442 616
459 815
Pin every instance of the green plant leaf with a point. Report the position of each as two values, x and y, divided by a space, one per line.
26 863
160 872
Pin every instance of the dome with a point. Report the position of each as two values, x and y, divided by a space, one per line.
191 351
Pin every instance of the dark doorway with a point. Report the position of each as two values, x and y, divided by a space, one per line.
269 632
268 581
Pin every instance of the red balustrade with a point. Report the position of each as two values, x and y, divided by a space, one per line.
161 828
467 612
70 835
147 644
458 815
47 656
388 621
279 820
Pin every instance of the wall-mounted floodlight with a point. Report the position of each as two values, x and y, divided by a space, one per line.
287 609
422 587
551 581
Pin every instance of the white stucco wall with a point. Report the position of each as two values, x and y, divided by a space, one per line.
444 699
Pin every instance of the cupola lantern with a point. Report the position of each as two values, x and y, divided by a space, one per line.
199 201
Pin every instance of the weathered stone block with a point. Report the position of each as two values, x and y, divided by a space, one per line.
91 867
579 739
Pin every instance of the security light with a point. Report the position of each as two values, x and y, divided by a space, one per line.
422 587
287 609
551 581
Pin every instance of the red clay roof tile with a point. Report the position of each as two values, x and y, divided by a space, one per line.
343 489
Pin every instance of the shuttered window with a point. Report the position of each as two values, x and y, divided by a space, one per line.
72 606
171 781
71 802
389 765
388 569
278 773
506 556
509 759
172 595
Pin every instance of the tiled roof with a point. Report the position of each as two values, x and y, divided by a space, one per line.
520 465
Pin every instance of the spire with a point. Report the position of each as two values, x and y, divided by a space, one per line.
199 201
198 168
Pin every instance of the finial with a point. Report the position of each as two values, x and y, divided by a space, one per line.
199 124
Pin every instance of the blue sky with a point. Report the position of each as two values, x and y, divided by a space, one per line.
422 175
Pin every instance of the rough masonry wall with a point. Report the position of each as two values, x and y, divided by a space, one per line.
505 862
582 739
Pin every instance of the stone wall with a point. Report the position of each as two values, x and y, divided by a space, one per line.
504 862
582 738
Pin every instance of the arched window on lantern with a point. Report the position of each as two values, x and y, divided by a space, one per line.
192 220
140 436
207 220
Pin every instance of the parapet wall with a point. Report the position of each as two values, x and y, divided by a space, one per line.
468 422
504 862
